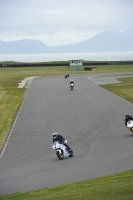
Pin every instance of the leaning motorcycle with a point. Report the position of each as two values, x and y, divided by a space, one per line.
130 125
61 151
67 75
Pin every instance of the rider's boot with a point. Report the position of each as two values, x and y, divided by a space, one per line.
68 148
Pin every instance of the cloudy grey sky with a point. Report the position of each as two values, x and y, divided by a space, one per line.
62 22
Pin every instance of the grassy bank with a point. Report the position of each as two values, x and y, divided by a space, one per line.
115 187
123 89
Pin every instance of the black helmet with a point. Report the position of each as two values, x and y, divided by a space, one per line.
126 116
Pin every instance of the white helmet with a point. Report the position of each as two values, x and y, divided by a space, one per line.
55 134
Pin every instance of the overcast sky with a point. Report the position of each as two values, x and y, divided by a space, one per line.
62 22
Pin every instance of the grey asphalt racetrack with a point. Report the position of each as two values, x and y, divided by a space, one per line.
89 117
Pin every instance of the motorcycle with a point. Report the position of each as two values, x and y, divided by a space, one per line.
67 75
71 86
130 125
61 151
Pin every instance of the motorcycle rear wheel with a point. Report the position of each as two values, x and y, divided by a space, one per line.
71 154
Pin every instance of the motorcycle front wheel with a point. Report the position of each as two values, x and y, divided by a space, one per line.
60 155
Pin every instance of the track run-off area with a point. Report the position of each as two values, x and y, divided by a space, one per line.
89 117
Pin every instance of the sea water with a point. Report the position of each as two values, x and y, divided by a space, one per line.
109 56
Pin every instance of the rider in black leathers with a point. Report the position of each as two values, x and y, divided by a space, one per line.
127 118
67 75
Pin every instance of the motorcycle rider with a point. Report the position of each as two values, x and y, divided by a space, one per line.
60 138
67 75
71 82
127 118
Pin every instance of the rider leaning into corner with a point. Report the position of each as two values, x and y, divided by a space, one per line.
60 138
127 118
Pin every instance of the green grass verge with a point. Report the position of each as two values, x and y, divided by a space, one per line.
114 187
123 89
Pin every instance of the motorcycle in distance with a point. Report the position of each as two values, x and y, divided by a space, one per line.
130 125
61 151
71 86
67 75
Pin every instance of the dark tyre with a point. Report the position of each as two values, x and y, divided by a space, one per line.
71 153
60 156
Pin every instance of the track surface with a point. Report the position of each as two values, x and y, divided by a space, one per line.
91 119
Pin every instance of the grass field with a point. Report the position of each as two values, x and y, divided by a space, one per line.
123 89
116 187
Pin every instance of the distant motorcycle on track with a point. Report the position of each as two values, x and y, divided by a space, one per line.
71 86
67 75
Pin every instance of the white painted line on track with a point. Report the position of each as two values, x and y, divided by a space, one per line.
77 89
3 150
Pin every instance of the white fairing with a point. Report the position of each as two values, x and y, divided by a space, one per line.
58 147
72 84
130 124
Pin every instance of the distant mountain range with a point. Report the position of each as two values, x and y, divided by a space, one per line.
106 41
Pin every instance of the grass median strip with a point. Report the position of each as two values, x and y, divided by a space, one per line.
10 100
124 89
